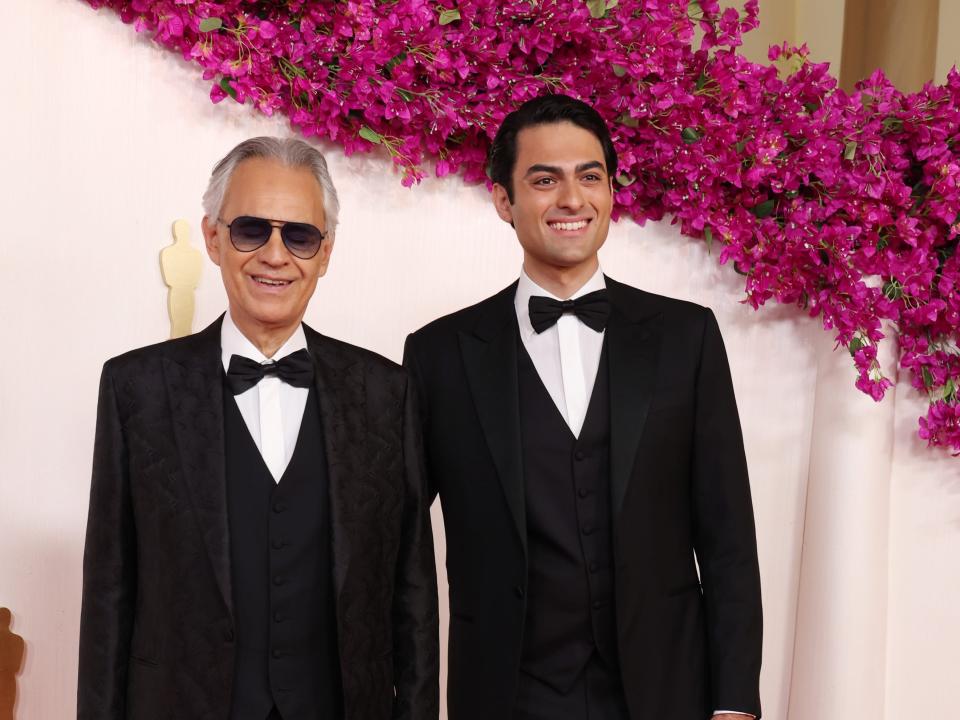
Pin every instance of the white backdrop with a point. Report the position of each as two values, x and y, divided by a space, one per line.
107 139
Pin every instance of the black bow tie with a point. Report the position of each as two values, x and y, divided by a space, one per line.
591 309
295 369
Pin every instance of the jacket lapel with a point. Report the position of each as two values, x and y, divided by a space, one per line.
490 358
194 378
341 393
633 342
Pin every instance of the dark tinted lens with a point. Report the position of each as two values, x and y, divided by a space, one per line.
249 233
301 239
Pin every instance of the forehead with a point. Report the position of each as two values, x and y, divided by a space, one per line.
561 144
267 188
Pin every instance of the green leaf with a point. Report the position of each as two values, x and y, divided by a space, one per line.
893 290
598 8
892 124
701 80
690 135
405 94
764 209
849 150
210 24
927 378
619 70
371 135
227 87
855 345
741 144
628 120
449 16
949 390
708 237
625 180
611 4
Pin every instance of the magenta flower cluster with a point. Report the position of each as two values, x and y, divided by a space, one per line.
847 205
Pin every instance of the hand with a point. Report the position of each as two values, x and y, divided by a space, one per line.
733 716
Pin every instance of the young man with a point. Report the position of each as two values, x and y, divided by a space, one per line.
258 544
584 440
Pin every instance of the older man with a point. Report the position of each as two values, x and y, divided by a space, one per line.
258 543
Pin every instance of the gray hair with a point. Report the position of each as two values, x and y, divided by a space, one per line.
290 152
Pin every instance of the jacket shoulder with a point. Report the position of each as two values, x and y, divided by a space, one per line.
371 361
463 319
648 303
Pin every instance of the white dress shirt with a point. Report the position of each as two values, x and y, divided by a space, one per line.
566 355
272 410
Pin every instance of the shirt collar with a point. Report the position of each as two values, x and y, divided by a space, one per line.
527 288
234 342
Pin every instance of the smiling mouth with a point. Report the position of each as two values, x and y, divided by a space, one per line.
568 225
269 282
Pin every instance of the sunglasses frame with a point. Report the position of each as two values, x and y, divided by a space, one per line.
278 224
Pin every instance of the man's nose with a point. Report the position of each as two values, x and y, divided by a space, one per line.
571 196
274 252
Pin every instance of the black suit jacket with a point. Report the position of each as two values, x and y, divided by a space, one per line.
687 645
156 631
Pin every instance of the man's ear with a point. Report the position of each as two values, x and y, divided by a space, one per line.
326 250
501 201
211 239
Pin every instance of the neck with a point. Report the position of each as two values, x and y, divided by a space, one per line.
560 281
266 338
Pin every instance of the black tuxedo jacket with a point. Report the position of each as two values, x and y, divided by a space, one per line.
156 631
688 645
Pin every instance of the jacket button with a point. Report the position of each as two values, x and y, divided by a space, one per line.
279 507
587 529
277 544
519 591
278 580
228 635
278 616
579 455
597 604
582 492
276 653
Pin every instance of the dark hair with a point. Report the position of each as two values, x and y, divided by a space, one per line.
544 110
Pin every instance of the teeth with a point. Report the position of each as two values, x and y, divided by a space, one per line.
569 226
267 281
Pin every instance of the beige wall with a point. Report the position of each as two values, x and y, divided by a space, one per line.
109 139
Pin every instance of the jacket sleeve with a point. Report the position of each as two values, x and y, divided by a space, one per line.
412 364
109 570
725 537
415 620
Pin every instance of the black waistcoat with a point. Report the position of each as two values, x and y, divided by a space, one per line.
282 576
570 600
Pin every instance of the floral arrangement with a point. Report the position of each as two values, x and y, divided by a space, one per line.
847 205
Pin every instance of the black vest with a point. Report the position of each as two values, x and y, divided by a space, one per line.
282 576
570 598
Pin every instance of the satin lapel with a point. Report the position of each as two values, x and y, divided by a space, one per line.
490 358
633 343
194 377
341 392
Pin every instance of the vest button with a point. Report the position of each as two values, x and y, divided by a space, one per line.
582 492
278 616
587 529
579 455
518 590
276 653
597 604
278 580
279 507
228 635
277 544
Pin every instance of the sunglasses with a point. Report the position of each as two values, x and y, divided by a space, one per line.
251 233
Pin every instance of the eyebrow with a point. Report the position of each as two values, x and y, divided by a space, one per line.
554 170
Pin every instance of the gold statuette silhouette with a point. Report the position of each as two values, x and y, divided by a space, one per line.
181 265
11 657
